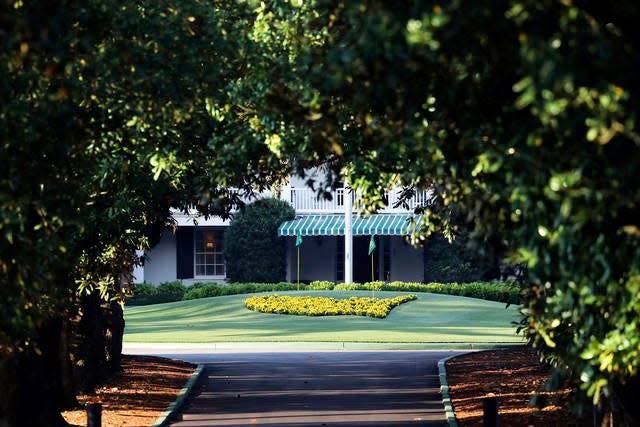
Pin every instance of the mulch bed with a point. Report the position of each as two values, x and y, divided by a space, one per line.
513 377
138 395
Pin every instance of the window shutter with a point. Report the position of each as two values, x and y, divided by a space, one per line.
184 253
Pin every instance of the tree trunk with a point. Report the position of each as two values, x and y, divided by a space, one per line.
115 335
97 340
89 343
69 386
31 381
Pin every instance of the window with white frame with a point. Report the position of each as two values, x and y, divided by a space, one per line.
209 256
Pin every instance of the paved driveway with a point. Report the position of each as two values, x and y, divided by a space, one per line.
296 389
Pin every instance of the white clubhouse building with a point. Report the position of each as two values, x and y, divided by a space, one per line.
194 253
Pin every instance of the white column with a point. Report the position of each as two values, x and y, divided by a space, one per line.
348 236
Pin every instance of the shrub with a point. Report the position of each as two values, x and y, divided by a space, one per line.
203 290
321 285
143 294
171 291
253 251
206 290
507 292
146 293
325 306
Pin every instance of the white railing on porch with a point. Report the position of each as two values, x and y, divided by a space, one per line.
305 200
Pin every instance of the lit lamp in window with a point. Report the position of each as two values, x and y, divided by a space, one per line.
209 243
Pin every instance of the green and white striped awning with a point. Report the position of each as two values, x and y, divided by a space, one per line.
333 225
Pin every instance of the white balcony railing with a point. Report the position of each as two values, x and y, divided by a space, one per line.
306 201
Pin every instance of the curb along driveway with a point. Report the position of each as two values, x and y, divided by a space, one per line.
314 388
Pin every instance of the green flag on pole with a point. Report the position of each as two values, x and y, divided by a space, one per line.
372 245
298 239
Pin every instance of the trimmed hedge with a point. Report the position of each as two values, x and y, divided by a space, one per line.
144 293
507 292
206 290
325 306
171 291
321 285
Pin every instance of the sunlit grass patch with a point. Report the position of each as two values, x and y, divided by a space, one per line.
325 306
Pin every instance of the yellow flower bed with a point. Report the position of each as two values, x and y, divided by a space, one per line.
325 306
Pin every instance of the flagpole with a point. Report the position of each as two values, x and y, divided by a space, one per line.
372 278
373 287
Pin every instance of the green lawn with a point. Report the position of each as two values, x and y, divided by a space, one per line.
432 318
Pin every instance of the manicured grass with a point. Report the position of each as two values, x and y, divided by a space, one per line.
430 318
